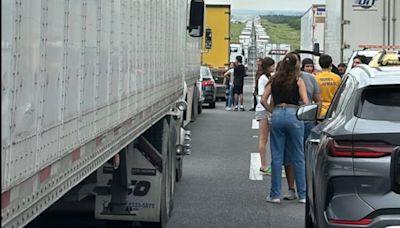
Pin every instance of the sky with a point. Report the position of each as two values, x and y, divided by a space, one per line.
297 5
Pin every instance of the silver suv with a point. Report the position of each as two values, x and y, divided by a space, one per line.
348 155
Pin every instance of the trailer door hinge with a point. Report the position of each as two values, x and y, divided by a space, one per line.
345 22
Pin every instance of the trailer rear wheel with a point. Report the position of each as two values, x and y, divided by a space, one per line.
195 106
200 108
212 104
165 207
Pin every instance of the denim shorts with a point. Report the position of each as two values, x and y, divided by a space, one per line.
261 115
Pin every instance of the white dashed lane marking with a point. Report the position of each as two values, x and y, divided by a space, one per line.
254 173
255 161
254 124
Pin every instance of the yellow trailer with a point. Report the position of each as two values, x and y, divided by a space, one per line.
217 21
216 41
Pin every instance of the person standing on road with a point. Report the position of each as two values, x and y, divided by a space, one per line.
342 67
360 59
328 83
286 131
259 72
262 116
228 76
307 65
313 94
238 81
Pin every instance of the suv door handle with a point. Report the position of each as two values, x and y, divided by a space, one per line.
316 141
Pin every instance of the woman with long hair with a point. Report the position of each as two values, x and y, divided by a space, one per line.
259 72
286 88
262 116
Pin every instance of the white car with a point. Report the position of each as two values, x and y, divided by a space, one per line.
367 53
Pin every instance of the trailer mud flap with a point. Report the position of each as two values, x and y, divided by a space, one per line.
132 191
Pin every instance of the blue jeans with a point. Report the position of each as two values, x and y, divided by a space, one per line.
230 96
287 134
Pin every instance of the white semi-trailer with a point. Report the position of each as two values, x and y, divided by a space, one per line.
93 100
313 28
351 23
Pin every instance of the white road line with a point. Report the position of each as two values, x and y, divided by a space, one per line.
255 162
254 124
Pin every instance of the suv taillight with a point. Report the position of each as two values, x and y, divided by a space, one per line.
208 82
358 149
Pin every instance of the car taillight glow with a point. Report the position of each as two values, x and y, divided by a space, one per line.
208 82
358 149
351 222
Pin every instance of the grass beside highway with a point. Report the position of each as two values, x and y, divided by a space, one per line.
236 29
281 29
282 33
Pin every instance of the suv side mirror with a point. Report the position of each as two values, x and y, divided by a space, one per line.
307 112
196 20
208 39
395 170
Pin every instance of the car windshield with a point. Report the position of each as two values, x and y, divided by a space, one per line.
205 73
380 103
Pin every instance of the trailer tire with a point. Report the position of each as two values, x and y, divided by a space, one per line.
178 175
165 209
212 104
195 106
172 152
200 108
164 148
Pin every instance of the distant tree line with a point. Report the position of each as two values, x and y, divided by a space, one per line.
292 21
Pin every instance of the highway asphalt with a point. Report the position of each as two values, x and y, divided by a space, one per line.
216 190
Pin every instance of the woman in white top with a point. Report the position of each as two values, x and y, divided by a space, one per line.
262 116
229 75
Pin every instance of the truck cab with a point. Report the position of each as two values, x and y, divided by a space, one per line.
235 50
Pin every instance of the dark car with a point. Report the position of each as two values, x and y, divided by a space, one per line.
208 86
348 155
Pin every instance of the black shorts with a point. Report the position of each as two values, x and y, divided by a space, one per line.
238 89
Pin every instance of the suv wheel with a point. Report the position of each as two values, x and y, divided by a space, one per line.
212 104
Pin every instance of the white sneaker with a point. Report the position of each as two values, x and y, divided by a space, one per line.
273 200
228 109
290 195
302 200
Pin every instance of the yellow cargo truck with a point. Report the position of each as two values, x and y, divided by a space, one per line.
216 40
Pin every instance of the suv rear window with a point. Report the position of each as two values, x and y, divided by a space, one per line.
380 103
205 73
